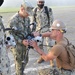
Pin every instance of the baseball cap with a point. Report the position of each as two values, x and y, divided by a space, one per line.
58 24
28 7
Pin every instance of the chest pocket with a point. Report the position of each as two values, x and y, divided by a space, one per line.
23 25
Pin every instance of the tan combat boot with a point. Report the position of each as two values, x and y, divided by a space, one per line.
40 60
52 63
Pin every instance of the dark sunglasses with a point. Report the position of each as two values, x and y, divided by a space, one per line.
41 2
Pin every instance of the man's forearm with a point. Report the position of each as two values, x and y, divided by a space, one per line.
39 50
43 55
46 34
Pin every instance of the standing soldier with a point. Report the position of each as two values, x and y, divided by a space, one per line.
4 60
21 22
43 17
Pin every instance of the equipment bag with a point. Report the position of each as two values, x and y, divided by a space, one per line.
71 53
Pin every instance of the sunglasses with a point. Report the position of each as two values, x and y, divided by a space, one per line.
41 2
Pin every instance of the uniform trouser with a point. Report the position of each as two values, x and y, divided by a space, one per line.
47 43
5 71
45 46
56 71
19 55
53 71
65 72
5 65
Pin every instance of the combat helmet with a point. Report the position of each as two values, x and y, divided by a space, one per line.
59 25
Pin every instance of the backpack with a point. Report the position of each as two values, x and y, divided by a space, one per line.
46 11
70 48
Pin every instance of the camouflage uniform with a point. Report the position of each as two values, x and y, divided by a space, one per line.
4 60
65 72
42 20
19 51
54 71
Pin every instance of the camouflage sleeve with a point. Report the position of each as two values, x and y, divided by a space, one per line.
1 22
33 19
13 23
28 30
51 16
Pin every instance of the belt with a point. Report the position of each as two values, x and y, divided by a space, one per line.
66 69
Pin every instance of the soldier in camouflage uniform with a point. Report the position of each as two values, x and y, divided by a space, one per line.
21 22
43 18
4 59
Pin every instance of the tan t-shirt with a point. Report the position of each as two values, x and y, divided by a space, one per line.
62 57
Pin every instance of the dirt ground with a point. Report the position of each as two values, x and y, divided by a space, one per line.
66 14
